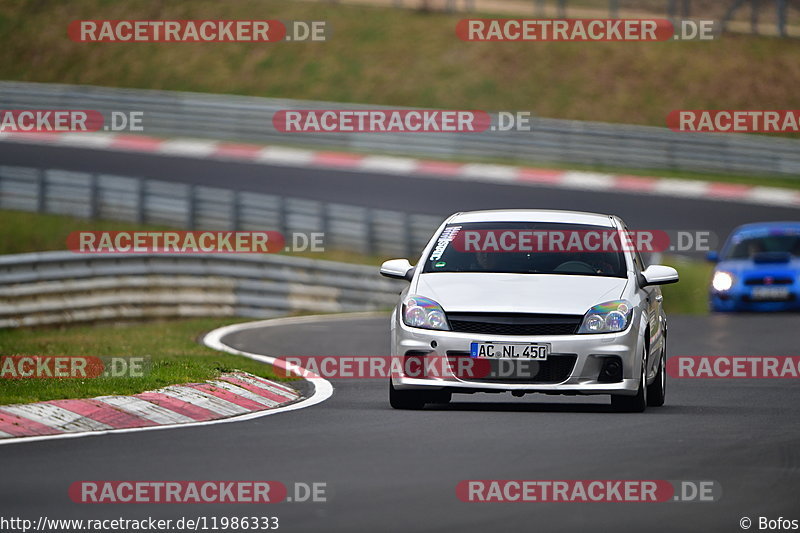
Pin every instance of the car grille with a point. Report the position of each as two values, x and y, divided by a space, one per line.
514 323
556 369
769 280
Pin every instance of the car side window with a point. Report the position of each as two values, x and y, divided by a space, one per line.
638 263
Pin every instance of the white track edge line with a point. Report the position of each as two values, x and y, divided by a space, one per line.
322 387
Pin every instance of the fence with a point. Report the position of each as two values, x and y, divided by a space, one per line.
147 201
63 287
550 140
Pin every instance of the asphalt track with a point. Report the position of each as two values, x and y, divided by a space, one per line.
426 195
390 470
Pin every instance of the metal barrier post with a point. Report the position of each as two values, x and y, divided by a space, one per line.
93 197
41 191
140 201
191 215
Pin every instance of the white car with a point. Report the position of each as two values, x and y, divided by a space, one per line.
508 313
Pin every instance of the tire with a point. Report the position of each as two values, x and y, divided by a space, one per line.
633 404
657 391
406 399
440 397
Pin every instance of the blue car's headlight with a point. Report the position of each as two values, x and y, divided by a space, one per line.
608 317
421 312
722 281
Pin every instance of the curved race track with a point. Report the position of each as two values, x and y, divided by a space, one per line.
391 470
396 470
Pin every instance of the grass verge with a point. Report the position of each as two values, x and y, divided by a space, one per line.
175 355
690 295
24 232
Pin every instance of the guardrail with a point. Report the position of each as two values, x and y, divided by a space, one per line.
64 287
550 140
147 201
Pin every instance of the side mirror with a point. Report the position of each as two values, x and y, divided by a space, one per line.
659 275
712 256
397 269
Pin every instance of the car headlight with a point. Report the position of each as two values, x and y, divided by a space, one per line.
722 281
608 317
421 312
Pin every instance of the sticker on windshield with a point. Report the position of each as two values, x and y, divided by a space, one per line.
445 239
440 264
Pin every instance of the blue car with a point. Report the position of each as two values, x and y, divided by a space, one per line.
758 269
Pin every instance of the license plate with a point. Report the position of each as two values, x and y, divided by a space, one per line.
770 293
503 350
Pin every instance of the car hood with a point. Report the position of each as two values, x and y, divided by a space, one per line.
518 293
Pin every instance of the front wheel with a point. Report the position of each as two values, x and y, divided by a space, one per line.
657 391
406 399
633 404
415 399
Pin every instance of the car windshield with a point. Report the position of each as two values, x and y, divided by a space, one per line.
780 243
527 248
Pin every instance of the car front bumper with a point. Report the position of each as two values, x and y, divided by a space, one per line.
589 351
742 300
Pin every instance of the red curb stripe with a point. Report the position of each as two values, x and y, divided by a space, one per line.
178 406
227 395
293 393
245 151
539 175
22 427
440 168
255 389
635 183
103 412
136 142
729 190
337 159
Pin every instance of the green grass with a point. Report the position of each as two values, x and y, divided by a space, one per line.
690 295
175 355
404 58
410 58
24 232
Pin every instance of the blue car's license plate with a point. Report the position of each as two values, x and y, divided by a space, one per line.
769 293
